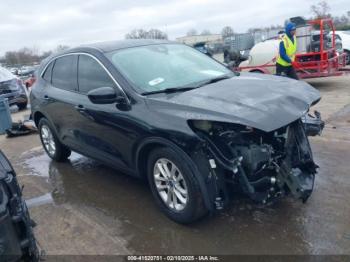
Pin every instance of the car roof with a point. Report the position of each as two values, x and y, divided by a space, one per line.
122 44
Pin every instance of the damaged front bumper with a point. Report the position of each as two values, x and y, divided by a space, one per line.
313 124
265 166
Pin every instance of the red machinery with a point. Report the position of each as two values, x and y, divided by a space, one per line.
322 61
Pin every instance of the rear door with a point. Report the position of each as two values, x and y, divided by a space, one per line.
61 96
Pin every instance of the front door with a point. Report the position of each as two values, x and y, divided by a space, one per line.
100 128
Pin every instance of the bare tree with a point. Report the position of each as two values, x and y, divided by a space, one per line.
227 31
157 34
341 22
192 32
45 54
144 34
60 48
11 58
321 10
136 34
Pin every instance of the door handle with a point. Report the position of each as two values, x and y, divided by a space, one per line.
82 110
46 97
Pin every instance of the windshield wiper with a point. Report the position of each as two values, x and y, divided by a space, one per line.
187 88
213 80
169 90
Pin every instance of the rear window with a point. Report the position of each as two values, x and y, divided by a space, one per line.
64 73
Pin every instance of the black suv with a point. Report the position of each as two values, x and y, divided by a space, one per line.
168 113
13 89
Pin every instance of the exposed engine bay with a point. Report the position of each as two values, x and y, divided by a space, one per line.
265 165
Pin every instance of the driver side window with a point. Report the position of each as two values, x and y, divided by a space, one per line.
91 75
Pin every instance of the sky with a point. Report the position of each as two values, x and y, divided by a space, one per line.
45 24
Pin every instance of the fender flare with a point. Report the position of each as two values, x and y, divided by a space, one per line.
48 119
209 203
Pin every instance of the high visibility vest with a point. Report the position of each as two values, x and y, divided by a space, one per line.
291 49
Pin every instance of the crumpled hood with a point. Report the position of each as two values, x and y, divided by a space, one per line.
261 101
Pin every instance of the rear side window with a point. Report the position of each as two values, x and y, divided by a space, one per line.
64 73
48 72
91 75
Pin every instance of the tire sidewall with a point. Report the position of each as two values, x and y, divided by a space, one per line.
45 122
189 213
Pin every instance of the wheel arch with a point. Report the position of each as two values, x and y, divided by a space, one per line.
150 144
37 116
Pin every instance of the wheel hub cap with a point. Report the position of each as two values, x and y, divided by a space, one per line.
170 184
48 141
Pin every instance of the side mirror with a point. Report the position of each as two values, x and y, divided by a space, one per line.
103 95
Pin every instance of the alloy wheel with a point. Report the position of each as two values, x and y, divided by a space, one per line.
170 184
48 140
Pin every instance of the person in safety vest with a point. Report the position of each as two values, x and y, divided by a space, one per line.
286 56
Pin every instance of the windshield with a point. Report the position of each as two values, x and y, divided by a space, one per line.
159 67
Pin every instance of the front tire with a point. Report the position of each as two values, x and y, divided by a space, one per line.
53 147
174 186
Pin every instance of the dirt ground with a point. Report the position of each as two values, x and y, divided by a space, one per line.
83 207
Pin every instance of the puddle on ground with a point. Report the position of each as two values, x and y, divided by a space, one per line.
116 200
40 200
37 163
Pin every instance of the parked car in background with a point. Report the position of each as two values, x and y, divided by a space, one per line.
14 70
327 42
195 129
26 70
12 88
345 38
237 47
202 47
215 48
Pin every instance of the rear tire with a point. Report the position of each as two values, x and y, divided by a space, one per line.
53 147
180 181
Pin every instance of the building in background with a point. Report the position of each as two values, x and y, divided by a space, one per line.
193 39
